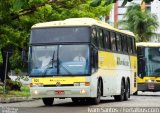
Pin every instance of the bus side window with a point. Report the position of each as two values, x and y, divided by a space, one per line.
94 37
113 41
94 60
129 44
107 41
119 46
100 38
134 46
124 44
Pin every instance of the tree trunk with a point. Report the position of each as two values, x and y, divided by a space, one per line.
4 58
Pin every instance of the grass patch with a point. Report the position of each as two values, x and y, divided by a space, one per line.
1 90
25 92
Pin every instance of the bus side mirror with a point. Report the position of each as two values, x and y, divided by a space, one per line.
141 57
142 60
140 52
96 58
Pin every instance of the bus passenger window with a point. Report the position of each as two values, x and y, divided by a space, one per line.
134 46
124 44
107 41
119 46
100 39
129 44
113 41
94 37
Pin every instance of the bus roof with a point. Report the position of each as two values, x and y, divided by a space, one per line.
79 22
148 44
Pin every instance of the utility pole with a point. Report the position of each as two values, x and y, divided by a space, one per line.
4 90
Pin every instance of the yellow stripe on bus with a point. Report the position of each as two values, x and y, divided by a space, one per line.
54 80
145 79
107 60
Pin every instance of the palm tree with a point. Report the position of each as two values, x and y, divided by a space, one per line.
142 23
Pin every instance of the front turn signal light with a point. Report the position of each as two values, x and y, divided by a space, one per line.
87 83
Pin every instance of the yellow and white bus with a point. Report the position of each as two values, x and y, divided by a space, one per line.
148 54
108 66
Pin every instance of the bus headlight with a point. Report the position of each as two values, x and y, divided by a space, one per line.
149 81
83 91
35 92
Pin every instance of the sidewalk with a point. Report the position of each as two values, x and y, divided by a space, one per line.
14 99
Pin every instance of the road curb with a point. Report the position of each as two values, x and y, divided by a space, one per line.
14 99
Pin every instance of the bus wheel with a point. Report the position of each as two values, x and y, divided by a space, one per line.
127 91
96 100
75 100
79 100
121 96
136 93
48 101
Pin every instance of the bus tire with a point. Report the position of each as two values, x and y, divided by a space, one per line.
76 100
97 99
135 93
121 96
127 91
48 101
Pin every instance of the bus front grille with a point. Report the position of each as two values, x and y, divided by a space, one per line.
58 85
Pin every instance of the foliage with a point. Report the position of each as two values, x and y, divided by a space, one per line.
17 17
142 24
16 62
96 3
1 58
17 71
24 92
13 85
1 90
19 94
25 89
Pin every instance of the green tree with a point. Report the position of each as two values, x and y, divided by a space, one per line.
108 2
142 24
17 17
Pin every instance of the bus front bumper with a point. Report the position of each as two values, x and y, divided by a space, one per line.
149 87
60 92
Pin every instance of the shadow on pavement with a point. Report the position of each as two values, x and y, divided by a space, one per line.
82 104
153 94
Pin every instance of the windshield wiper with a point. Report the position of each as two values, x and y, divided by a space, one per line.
51 61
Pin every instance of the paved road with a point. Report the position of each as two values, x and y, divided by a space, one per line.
147 99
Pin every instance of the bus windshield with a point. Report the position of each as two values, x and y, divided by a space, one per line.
54 60
152 59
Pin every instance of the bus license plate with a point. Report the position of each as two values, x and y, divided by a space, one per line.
150 86
59 92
